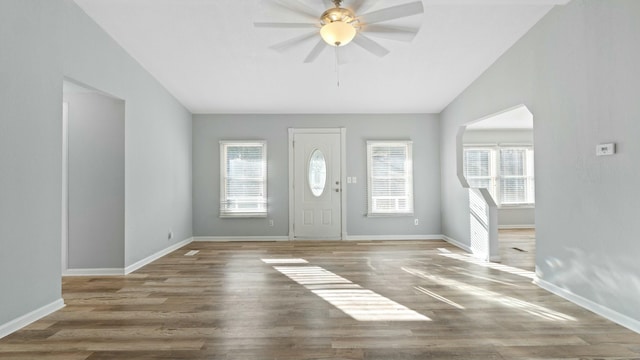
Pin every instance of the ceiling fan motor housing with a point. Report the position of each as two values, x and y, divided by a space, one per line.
337 14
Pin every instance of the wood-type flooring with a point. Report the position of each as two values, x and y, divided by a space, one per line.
380 300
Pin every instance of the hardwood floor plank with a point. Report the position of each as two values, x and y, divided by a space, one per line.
44 356
226 302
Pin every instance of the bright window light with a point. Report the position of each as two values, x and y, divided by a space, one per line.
506 171
389 178
243 179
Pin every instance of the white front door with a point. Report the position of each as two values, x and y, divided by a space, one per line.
317 184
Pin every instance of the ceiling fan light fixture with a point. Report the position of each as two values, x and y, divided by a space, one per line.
337 33
337 25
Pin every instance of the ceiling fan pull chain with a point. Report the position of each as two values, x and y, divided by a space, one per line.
337 67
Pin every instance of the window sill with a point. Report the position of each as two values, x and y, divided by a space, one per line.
243 216
377 215
516 206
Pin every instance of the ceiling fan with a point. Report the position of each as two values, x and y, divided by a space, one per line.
338 26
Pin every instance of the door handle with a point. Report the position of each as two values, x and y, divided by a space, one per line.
337 190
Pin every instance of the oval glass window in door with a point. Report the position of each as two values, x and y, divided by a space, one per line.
317 173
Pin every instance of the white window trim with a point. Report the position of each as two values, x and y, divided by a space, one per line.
496 175
223 174
409 146
528 168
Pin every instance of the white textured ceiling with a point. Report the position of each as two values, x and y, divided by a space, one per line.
518 118
208 54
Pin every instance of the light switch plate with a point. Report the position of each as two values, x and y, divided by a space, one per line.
605 149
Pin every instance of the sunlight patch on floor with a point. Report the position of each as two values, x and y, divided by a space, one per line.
438 297
491 265
355 301
285 261
311 275
366 305
492 296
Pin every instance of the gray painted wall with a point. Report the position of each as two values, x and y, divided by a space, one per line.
208 130
43 41
96 181
517 217
493 137
521 216
157 141
577 72
30 156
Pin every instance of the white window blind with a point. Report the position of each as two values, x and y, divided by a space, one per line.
390 177
243 183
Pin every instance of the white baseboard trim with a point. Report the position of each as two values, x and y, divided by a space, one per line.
24 320
94 272
522 226
153 257
286 238
392 237
457 243
607 313
239 238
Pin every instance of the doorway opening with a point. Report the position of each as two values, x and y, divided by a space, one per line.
496 153
93 183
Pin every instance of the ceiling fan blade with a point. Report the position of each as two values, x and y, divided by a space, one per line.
286 45
316 51
357 5
370 45
394 12
282 25
391 32
297 7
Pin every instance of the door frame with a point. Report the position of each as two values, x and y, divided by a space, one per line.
343 175
64 255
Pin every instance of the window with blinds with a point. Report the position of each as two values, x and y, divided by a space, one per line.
480 169
243 179
516 176
390 178
505 171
